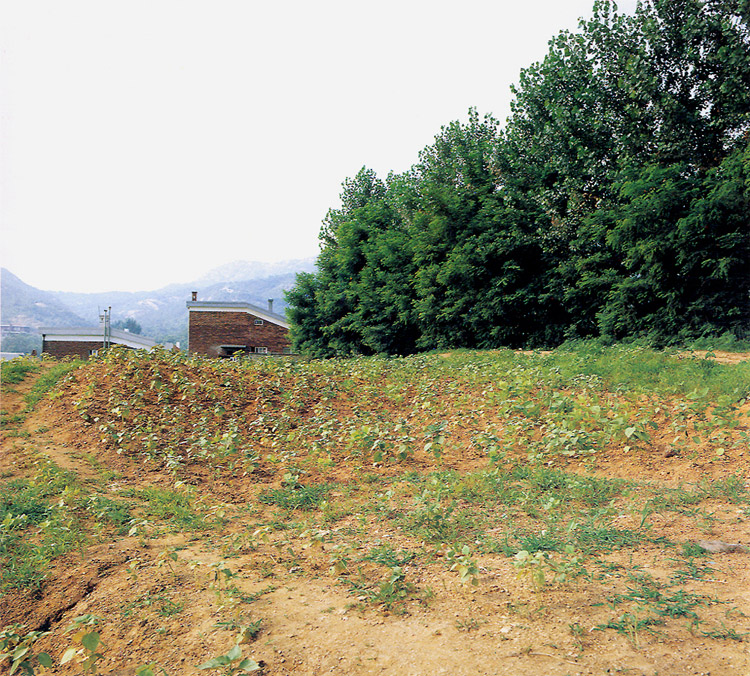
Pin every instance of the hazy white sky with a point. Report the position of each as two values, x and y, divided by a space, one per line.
145 142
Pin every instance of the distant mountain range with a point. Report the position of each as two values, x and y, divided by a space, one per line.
161 313
23 305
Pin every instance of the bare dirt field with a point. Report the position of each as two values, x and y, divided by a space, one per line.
363 561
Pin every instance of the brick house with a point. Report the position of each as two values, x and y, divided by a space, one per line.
222 329
87 341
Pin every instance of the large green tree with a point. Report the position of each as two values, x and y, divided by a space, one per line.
623 102
360 299
454 186
614 202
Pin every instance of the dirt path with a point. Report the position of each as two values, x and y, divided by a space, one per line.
720 356
41 433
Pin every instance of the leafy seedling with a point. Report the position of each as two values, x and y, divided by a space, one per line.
462 562
232 663
90 641
18 648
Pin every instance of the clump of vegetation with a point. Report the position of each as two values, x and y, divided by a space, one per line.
17 646
48 379
175 409
296 496
38 522
15 370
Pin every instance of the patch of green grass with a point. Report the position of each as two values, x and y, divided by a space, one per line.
48 379
596 491
11 419
489 486
160 602
692 570
23 566
117 514
649 593
20 498
175 507
593 538
543 541
491 545
297 496
567 486
641 369
727 342
692 550
631 625
387 556
680 604
19 434
672 499
35 529
53 480
249 629
725 633
731 488
15 370
251 598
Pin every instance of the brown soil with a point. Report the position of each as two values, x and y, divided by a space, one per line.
312 625
719 356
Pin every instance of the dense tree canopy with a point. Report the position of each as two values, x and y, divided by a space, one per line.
615 202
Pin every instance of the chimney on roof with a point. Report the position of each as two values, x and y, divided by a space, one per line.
195 295
270 304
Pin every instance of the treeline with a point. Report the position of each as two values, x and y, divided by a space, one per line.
615 202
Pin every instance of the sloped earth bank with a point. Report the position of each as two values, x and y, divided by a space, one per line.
322 556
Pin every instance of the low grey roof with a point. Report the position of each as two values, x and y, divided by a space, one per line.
96 333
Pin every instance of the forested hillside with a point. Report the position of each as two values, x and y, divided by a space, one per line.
614 202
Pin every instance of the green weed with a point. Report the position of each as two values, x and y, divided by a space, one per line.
175 507
297 496
231 663
160 602
391 594
86 635
20 497
726 633
540 567
33 528
387 556
631 625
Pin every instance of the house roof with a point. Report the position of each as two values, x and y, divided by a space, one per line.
236 306
88 334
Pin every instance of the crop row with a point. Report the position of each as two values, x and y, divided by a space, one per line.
179 409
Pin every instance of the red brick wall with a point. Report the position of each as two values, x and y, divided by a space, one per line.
208 331
70 348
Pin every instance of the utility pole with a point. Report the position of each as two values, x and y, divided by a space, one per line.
104 318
